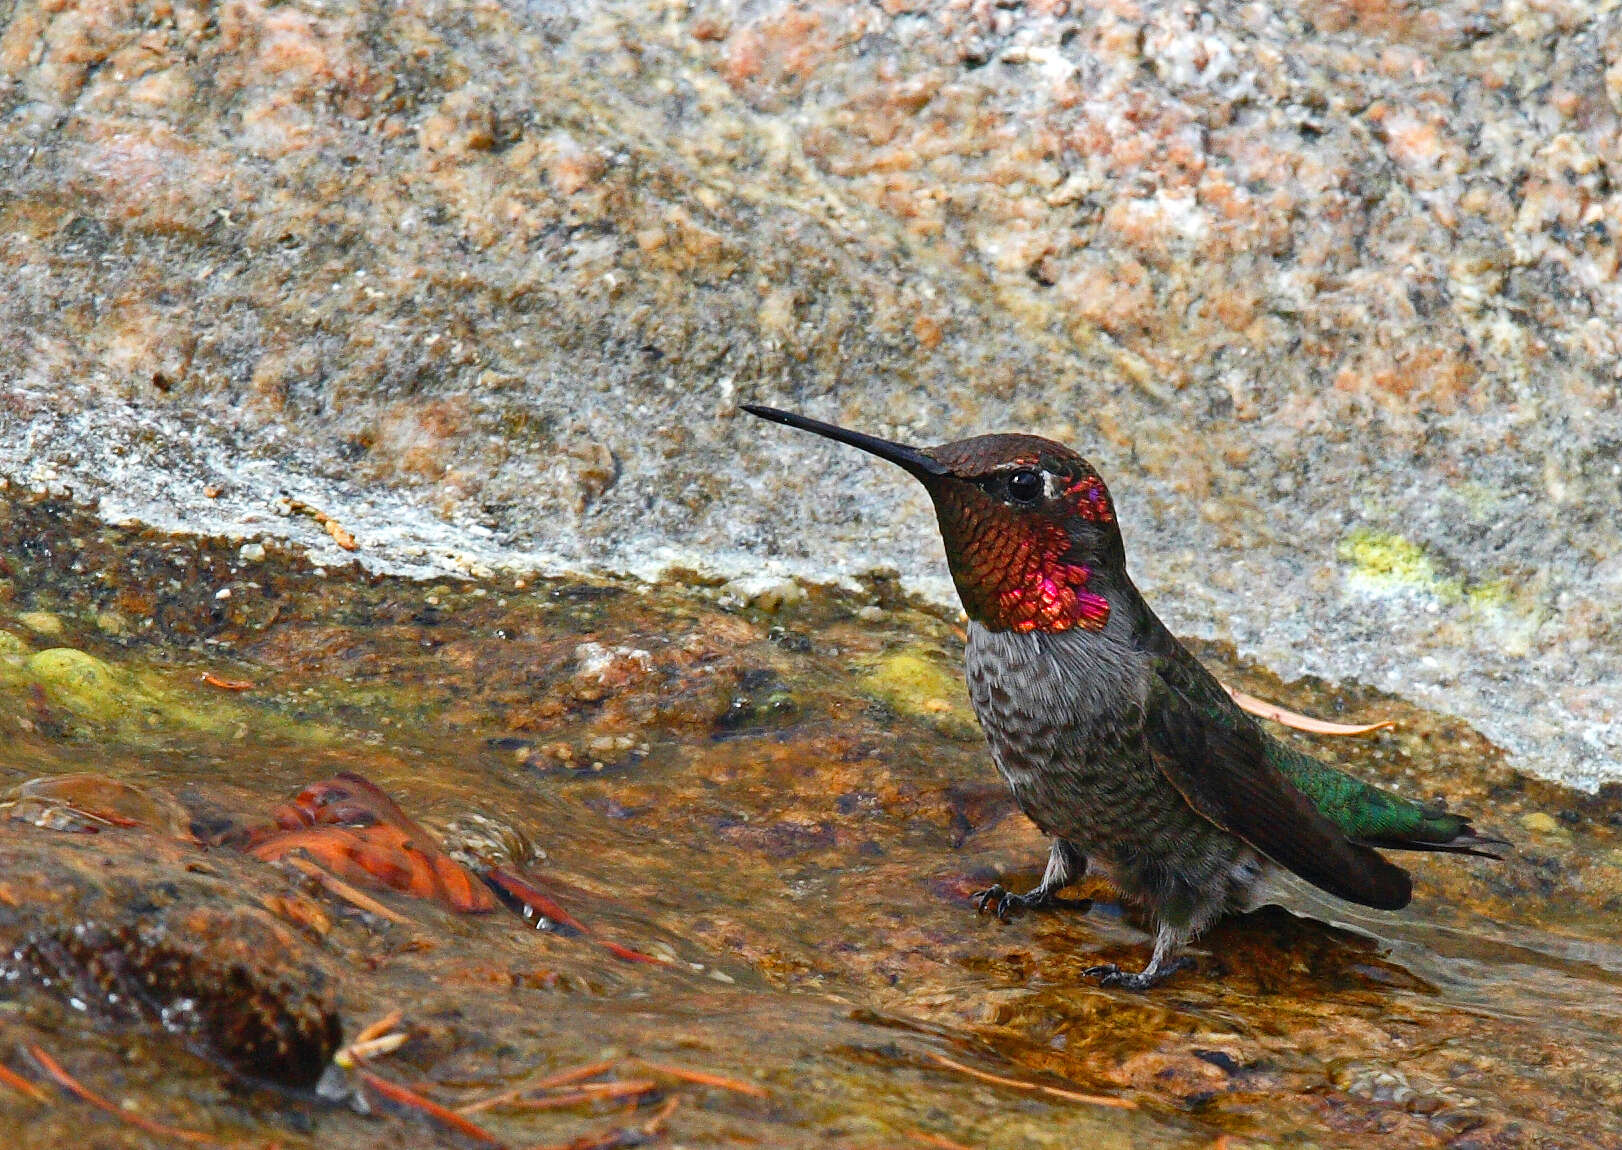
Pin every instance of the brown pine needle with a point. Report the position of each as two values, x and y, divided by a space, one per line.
22 1086
940 1140
660 1116
355 1053
1017 1084
561 1078
549 1101
344 891
591 1092
619 1089
703 1078
71 1084
1266 710
450 1119
214 680
382 1026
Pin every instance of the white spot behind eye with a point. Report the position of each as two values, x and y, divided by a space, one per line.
1050 485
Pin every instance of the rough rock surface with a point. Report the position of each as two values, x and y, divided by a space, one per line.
1327 290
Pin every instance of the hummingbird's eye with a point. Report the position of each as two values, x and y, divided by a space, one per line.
1025 485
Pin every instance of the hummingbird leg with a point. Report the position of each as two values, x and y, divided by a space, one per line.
1161 965
1065 865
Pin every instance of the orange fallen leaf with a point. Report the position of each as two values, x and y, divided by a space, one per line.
347 829
339 536
346 892
354 830
385 856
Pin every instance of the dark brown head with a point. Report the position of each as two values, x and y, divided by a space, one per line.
1027 523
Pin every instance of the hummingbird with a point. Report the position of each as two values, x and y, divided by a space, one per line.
1116 742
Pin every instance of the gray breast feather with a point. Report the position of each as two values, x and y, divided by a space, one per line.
1068 681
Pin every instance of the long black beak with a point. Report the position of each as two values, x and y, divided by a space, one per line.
909 458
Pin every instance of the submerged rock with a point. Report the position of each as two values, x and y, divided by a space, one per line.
806 882
216 984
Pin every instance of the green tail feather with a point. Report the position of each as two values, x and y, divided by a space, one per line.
1374 817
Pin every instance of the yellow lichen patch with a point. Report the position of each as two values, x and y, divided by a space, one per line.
1540 823
1493 593
1384 563
1389 562
41 622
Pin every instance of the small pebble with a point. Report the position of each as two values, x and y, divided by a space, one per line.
1539 823
41 622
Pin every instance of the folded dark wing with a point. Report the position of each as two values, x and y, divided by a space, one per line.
1218 761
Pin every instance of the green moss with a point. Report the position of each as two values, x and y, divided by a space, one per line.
89 687
916 681
106 699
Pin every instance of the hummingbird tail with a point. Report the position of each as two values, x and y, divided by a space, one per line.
1454 836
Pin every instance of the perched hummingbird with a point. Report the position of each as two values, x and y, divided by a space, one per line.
1116 742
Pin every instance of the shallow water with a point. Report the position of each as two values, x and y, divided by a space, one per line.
789 800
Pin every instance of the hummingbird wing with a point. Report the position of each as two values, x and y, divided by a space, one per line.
1216 757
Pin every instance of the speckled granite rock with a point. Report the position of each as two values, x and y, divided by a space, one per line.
1328 291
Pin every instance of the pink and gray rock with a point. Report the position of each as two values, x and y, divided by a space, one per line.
1327 291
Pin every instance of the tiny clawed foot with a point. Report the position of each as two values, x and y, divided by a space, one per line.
1108 974
1003 902
998 900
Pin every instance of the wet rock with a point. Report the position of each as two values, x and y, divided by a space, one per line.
1328 300
207 983
762 701
82 801
825 867
768 595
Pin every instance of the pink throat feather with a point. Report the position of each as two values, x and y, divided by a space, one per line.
1017 580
